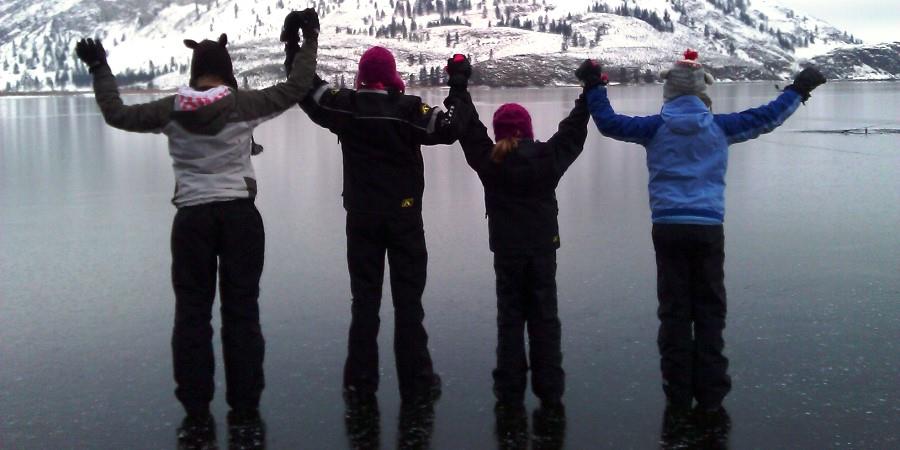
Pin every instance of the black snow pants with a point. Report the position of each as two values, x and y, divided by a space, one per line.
229 237
526 296
402 238
690 262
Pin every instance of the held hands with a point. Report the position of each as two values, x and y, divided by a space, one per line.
590 74
459 70
309 24
306 20
807 80
91 52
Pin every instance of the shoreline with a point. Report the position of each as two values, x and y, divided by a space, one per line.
412 88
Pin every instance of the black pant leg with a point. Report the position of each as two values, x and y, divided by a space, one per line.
675 338
408 258
711 381
194 245
544 329
241 259
510 375
366 246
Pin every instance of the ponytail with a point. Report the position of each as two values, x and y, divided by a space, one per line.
503 148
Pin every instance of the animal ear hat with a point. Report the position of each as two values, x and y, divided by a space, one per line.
211 58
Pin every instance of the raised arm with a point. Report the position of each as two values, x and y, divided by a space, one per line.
568 142
473 135
617 126
329 108
259 106
474 139
451 124
433 125
638 130
749 124
146 117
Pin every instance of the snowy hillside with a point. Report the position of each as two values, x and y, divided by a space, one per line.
737 39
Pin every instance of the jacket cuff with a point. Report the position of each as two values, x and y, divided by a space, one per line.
804 95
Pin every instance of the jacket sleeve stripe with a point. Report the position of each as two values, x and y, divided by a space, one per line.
317 96
429 128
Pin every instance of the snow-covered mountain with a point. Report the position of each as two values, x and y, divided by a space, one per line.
513 42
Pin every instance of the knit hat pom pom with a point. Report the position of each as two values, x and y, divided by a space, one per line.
691 54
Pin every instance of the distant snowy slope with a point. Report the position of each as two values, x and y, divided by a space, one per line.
737 39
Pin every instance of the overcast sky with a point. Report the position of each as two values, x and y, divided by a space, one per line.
870 20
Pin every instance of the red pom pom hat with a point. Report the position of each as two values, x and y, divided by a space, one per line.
690 58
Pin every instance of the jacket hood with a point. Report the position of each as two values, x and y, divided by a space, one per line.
686 114
204 112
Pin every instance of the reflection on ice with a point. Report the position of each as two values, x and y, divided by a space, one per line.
362 419
197 433
698 428
511 427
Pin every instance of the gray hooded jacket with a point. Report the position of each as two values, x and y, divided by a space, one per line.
210 131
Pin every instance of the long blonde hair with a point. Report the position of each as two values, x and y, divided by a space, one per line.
503 148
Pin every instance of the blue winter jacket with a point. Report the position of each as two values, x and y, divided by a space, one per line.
687 149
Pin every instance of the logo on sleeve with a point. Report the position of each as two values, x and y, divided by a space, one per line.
407 202
425 109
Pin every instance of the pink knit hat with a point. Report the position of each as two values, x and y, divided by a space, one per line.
510 120
378 70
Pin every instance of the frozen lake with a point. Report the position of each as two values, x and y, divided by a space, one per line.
812 270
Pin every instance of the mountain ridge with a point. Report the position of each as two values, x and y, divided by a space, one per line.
737 39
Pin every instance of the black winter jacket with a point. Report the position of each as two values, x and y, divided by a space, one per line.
381 135
520 192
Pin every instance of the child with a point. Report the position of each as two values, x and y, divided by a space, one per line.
209 126
520 176
687 77
381 131
687 154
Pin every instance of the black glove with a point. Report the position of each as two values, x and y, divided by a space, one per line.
590 74
91 52
459 70
309 23
290 31
807 80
